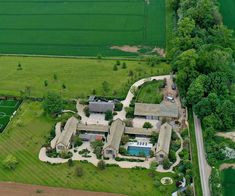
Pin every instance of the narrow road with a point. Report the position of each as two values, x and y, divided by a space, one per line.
204 168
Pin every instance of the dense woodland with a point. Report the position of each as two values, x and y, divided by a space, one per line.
203 57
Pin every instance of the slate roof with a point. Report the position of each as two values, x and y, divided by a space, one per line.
115 134
69 129
164 109
164 138
101 106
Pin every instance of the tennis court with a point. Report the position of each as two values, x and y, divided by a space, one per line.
7 109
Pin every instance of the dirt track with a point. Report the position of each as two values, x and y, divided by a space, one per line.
17 189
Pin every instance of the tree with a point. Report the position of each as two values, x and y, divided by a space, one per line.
203 108
105 86
53 103
55 76
196 90
63 86
115 68
226 113
125 139
108 115
153 137
45 83
79 171
124 65
166 163
10 162
70 162
19 67
147 125
101 165
77 141
118 62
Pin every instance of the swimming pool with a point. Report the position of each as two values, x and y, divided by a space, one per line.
133 150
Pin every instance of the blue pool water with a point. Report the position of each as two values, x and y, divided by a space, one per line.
132 150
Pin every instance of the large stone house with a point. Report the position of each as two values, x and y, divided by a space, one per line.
164 141
100 106
111 147
64 141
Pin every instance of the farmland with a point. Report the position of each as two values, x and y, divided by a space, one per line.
81 28
81 76
227 8
24 137
228 182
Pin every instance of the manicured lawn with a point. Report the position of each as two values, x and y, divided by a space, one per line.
150 93
195 168
228 182
84 28
24 137
7 108
80 76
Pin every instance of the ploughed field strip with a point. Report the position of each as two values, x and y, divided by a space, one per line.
80 27
7 108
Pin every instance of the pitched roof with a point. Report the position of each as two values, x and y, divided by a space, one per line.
101 106
139 131
164 138
164 109
115 134
69 129
94 127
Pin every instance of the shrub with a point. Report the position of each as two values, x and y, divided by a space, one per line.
79 171
153 138
118 106
129 112
118 62
70 162
166 163
128 123
101 165
45 83
65 155
125 139
97 146
53 103
147 125
108 115
115 68
123 151
124 65
77 141
157 183
86 111
10 162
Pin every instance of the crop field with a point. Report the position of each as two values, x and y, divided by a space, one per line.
25 135
7 108
228 182
80 76
227 8
81 27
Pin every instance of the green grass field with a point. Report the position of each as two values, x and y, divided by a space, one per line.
80 76
7 108
26 134
78 27
228 182
227 8
150 93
